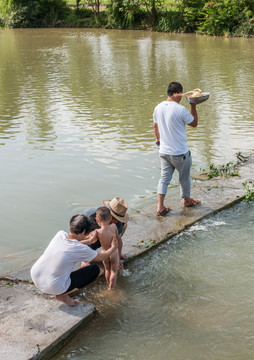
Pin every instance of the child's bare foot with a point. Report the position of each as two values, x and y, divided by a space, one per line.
67 300
190 202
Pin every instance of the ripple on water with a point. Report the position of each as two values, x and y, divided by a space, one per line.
190 298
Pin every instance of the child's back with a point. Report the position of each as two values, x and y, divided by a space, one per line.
106 233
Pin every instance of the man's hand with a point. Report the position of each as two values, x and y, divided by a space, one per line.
94 237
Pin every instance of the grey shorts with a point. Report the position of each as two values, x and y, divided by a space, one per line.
182 163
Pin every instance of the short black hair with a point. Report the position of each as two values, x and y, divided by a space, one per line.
79 223
103 213
174 88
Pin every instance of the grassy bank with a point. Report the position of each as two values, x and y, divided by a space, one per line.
218 17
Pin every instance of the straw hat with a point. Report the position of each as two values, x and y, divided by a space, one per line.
118 208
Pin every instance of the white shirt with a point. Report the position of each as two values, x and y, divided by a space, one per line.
171 118
51 272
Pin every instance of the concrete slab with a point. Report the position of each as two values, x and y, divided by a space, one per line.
35 326
215 195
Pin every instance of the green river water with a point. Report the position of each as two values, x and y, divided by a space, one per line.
76 128
76 123
192 298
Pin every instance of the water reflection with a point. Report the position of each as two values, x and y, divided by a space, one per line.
104 77
76 115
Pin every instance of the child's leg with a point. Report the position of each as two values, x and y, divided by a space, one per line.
113 273
107 270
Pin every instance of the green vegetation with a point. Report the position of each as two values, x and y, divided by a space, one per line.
249 189
217 17
32 13
230 169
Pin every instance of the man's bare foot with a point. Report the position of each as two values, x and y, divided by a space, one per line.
163 211
67 300
190 202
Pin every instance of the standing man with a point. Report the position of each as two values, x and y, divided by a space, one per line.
170 119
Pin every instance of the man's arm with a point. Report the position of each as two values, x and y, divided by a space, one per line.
102 256
120 244
124 228
88 240
156 131
194 113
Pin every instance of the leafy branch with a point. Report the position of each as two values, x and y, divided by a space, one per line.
227 170
249 190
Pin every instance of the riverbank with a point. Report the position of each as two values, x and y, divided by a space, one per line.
212 18
35 326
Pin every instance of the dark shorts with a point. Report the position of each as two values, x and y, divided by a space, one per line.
83 277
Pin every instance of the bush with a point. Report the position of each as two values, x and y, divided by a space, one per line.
192 14
37 13
227 17
5 11
170 21
125 14
115 14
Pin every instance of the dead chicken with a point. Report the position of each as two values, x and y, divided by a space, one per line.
193 93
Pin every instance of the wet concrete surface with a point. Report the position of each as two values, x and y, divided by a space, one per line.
36 326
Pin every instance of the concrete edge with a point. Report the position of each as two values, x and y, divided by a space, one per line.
51 350
171 235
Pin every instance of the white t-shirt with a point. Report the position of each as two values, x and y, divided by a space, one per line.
51 272
171 118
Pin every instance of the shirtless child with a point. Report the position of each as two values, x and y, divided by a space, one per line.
105 235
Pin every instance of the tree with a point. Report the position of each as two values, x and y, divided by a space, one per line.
192 13
37 13
153 7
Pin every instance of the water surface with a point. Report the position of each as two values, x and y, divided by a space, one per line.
191 298
76 120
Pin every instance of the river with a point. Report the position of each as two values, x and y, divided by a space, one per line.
191 298
76 120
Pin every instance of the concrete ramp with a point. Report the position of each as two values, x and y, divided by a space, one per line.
35 326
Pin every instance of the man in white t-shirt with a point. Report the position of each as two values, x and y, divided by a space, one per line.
170 119
53 272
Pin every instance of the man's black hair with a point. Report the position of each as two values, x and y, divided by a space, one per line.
79 223
174 88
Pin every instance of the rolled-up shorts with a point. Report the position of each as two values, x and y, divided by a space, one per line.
182 163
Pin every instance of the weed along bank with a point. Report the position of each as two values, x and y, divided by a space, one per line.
36 326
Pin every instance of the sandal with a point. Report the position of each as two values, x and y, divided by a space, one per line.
163 212
191 203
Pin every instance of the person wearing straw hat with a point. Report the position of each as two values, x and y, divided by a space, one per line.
118 208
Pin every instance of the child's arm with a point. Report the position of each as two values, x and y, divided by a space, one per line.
91 240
